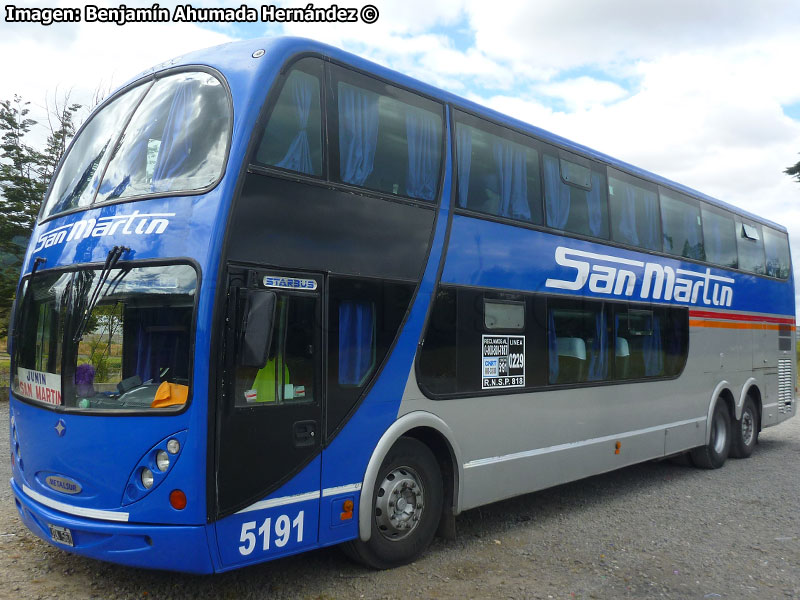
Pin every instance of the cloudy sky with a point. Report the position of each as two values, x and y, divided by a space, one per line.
704 92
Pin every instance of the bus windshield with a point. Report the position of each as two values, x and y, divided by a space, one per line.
85 340
161 137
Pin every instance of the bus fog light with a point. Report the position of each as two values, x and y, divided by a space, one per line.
147 478
173 446
162 461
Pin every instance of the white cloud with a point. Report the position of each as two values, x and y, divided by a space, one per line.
85 57
690 90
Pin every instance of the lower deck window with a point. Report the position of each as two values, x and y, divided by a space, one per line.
561 341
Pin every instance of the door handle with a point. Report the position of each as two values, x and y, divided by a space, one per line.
305 433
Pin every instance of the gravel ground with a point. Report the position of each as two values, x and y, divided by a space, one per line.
657 530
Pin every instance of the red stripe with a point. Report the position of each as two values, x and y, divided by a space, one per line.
704 314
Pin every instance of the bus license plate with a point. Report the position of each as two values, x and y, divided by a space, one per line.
62 535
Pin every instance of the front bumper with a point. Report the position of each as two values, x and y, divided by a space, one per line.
173 548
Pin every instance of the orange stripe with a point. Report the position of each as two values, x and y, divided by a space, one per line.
730 325
707 314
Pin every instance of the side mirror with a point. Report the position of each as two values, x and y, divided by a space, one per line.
255 326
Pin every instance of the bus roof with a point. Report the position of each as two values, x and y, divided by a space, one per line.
280 49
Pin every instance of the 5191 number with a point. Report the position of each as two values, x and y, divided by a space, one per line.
279 535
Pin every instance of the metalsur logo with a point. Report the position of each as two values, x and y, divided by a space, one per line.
62 484
618 277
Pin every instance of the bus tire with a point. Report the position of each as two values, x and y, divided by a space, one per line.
713 454
745 431
407 505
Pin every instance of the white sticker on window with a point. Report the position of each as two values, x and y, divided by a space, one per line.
503 361
45 387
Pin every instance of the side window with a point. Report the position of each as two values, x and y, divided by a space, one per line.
575 195
438 365
293 137
776 247
750 244
649 342
634 211
578 341
289 374
483 341
504 314
719 236
388 139
682 227
363 320
498 171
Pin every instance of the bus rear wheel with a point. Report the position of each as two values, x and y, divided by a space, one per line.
406 506
714 454
745 431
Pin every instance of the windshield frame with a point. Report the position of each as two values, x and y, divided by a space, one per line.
147 80
122 412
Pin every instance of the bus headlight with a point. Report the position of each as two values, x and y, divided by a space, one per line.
162 461
173 446
147 478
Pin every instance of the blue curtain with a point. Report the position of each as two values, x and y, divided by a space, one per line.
692 229
175 144
552 347
556 194
652 351
464 152
596 205
356 341
160 344
598 364
298 156
424 136
627 221
651 218
510 161
358 133
713 237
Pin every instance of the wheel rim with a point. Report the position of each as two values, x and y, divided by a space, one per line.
748 427
719 434
399 503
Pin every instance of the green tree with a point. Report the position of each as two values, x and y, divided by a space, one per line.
25 174
21 190
794 171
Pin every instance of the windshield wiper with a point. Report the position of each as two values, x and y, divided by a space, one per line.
111 261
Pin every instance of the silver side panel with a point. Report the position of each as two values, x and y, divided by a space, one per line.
518 443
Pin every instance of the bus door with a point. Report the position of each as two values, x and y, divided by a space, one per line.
269 416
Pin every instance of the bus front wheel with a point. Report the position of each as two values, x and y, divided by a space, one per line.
713 454
406 505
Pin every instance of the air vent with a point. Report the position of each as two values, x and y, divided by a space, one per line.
785 386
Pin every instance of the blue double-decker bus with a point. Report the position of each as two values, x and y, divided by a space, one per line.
280 298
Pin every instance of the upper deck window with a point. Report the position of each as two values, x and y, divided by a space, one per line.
682 228
751 247
389 140
776 247
634 211
498 171
720 238
293 137
167 137
571 205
